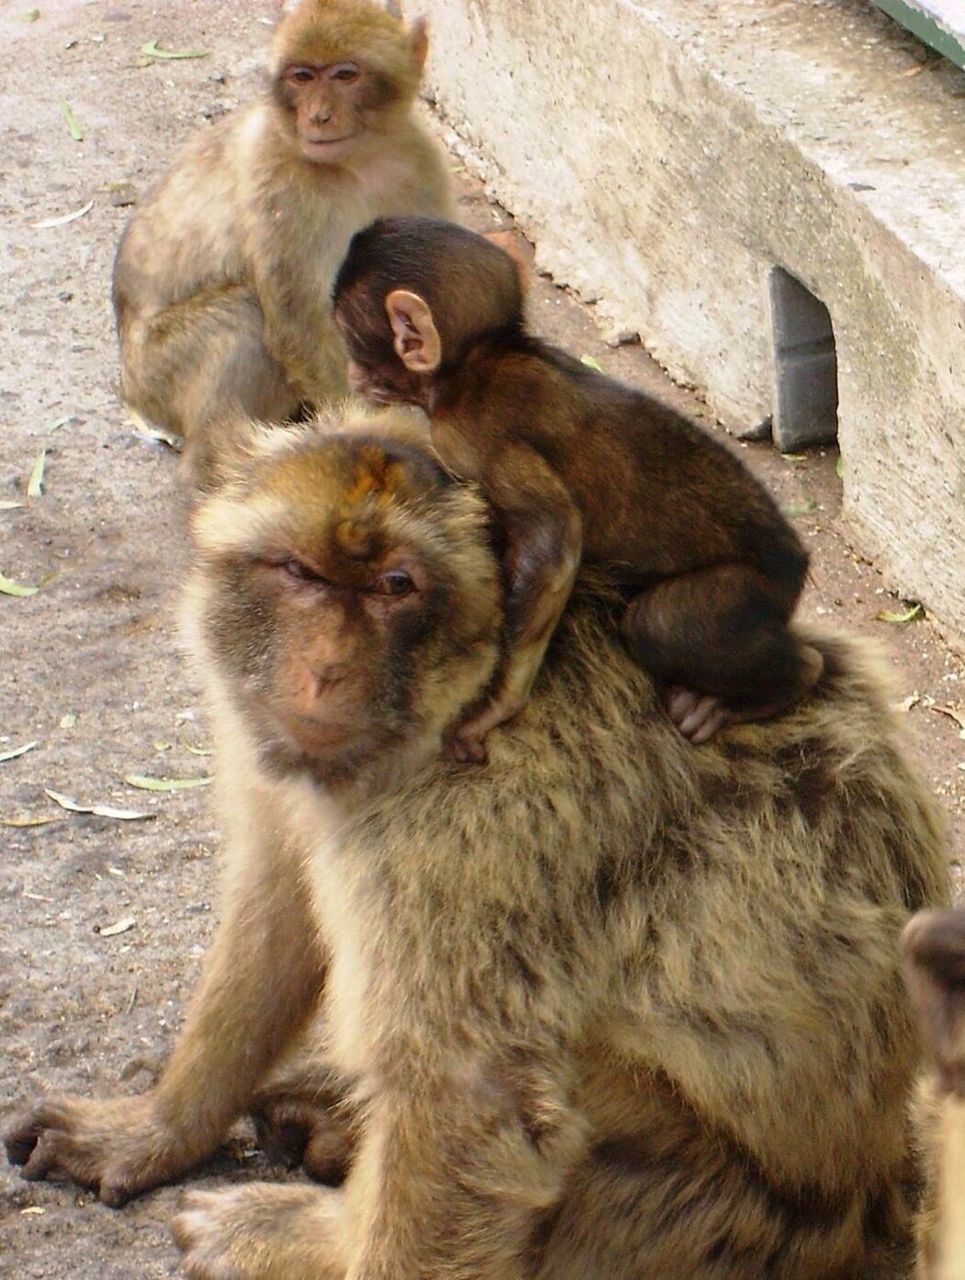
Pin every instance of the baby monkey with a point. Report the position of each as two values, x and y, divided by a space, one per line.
579 467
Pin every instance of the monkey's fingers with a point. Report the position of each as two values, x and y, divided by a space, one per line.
299 1131
466 747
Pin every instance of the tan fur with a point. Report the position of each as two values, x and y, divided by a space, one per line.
223 278
607 1008
933 947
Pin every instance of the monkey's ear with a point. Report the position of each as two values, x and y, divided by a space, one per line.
415 337
506 241
419 42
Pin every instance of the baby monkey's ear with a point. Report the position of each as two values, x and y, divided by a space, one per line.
506 241
415 337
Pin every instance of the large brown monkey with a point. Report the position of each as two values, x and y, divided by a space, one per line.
223 277
577 464
934 956
605 1009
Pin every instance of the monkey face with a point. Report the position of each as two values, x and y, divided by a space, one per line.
332 599
333 107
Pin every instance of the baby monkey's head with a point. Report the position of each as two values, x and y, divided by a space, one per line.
414 296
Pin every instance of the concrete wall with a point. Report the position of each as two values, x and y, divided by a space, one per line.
665 156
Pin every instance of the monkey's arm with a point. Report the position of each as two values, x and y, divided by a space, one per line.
262 978
544 533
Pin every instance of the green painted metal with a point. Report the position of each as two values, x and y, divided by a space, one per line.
924 20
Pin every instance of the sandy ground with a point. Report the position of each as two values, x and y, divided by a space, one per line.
102 921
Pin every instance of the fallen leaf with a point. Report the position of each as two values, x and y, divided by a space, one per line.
151 50
197 751
957 716
18 751
162 746
10 506
909 614
112 930
31 15
912 71
15 588
32 1209
804 508
145 783
36 897
99 810
839 467
794 457
35 485
63 220
592 363
68 721
30 822
62 422
73 126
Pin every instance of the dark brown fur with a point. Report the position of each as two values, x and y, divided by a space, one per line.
580 465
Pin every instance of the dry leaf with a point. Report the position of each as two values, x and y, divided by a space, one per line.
592 363
33 1208
35 485
908 615
10 506
145 783
99 810
68 721
15 588
62 221
151 50
17 751
68 417
953 714
73 125
30 15
906 704
112 930
29 822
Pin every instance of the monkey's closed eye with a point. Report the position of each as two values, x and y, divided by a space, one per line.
347 72
296 569
396 582
301 75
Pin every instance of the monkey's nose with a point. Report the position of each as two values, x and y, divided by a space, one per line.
321 677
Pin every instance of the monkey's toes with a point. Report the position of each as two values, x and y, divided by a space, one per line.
698 716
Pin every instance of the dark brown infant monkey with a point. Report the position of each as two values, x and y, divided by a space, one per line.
579 466
223 276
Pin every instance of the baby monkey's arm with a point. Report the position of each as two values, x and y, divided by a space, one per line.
544 540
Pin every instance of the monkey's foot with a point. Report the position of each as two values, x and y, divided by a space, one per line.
466 740
261 1232
304 1130
117 1146
698 716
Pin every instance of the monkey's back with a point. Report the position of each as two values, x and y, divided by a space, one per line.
723 923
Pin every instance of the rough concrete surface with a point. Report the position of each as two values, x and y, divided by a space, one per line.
696 145
90 669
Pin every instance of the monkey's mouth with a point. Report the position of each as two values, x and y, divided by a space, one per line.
322 148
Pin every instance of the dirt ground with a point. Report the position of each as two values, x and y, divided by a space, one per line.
103 921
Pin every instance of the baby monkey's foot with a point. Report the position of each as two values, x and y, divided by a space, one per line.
466 739
698 716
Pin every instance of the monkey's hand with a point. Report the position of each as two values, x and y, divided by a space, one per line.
262 1232
933 952
119 1146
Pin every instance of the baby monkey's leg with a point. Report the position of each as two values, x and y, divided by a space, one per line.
719 642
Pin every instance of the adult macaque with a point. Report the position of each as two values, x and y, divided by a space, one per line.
223 277
933 945
577 464
607 1008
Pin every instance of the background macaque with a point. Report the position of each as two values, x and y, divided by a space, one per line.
604 1009
223 278
933 944
576 463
